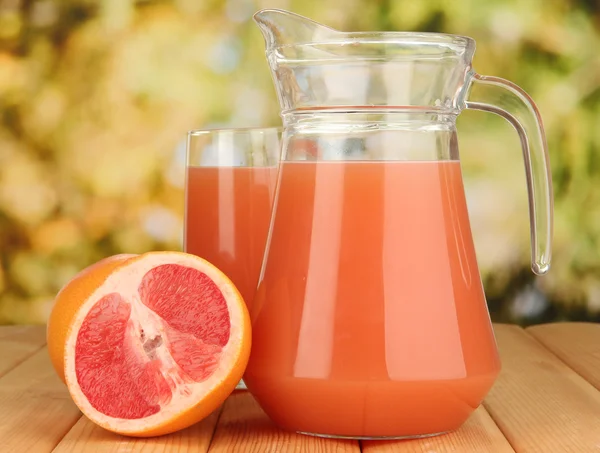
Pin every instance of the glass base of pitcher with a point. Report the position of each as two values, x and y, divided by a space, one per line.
332 436
241 385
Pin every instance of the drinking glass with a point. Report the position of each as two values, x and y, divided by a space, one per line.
230 182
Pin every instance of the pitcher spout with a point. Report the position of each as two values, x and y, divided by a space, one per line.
318 67
281 28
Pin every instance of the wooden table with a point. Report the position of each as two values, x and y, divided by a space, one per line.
546 400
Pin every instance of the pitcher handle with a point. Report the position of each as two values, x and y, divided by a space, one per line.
504 98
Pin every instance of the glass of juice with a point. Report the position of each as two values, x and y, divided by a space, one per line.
230 182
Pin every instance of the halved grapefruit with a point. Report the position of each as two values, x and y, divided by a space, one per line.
156 345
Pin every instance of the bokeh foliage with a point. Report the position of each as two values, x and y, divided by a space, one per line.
96 98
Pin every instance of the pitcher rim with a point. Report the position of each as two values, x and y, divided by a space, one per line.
388 36
391 37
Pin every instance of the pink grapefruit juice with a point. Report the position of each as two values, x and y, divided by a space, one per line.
370 318
228 210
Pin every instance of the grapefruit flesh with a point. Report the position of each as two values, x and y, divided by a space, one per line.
118 362
68 301
158 345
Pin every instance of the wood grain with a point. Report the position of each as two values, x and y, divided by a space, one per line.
478 435
88 437
577 344
36 410
244 427
539 403
17 343
542 403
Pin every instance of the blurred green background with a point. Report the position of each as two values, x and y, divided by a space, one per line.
96 98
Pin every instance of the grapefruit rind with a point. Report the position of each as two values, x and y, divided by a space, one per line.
199 398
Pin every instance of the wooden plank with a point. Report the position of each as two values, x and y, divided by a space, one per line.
538 402
479 434
577 344
17 343
244 427
36 410
88 437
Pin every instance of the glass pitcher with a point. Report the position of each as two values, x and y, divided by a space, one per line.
370 319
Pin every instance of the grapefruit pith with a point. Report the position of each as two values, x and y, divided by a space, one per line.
157 346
